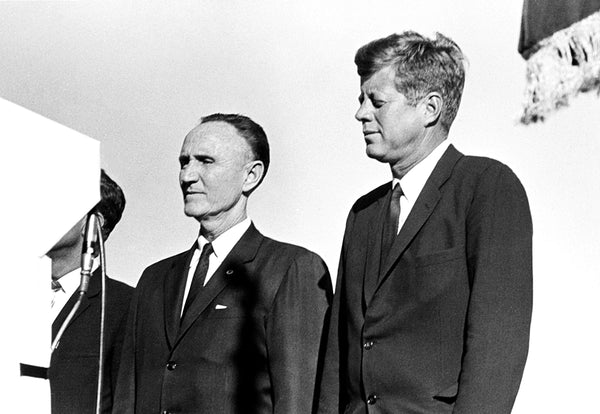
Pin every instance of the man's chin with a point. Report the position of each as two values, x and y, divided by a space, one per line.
194 213
372 153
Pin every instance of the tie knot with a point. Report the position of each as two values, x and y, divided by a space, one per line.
207 250
397 192
56 286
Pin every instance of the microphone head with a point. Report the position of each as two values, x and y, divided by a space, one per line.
89 243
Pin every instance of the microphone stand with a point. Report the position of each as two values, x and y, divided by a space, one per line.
87 255
87 259
102 315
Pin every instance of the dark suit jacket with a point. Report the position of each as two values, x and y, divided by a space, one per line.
257 355
73 371
442 325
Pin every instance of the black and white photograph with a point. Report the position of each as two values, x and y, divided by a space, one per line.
285 207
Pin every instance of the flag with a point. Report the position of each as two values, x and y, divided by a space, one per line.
560 40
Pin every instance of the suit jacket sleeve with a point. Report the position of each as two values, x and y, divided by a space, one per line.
124 401
114 356
294 328
499 238
329 392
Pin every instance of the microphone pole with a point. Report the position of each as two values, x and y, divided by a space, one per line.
87 260
92 240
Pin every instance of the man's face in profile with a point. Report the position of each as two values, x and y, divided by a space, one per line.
213 162
392 128
71 239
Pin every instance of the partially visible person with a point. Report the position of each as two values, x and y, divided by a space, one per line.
434 294
73 371
234 324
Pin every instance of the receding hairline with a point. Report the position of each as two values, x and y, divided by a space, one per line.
247 147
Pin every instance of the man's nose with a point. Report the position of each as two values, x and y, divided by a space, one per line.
188 175
363 113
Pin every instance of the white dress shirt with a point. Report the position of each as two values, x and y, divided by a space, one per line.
69 284
222 245
413 182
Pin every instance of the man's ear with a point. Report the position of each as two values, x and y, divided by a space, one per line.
100 220
433 104
254 173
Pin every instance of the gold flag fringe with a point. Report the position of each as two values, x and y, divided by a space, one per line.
563 65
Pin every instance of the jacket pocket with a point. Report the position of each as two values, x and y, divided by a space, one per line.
447 395
440 256
438 273
229 313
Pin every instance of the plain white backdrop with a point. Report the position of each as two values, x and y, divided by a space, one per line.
138 76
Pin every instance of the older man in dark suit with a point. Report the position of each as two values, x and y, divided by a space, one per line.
73 371
233 325
433 299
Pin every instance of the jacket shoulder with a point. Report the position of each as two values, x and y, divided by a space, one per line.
118 286
478 164
167 262
118 291
161 267
486 180
285 264
288 250
371 197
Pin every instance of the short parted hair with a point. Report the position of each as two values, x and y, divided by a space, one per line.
249 130
111 204
423 65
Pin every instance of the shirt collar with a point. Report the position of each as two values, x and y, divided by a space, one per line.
70 281
414 180
223 244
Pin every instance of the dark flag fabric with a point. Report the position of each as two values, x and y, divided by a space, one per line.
560 40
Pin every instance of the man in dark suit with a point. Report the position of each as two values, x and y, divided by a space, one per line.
73 371
234 325
434 292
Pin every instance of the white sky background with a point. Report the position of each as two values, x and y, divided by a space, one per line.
137 77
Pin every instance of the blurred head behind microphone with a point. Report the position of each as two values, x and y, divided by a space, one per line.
66 253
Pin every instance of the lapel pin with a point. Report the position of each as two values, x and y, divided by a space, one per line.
229 272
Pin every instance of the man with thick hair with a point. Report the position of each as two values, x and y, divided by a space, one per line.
73 368
234 324
434 291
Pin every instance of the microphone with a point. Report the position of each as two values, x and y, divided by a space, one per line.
87 251
90 237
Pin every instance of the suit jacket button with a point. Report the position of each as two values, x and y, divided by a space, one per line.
372 399
171 365
368 345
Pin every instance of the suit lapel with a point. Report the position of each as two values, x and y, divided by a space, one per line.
174 287
419 214
94 289
422 209
244 251
373 259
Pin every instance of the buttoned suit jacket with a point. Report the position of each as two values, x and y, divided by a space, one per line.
442 324
250 344
73 371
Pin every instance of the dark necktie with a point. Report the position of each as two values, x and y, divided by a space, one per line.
390 229
199 276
